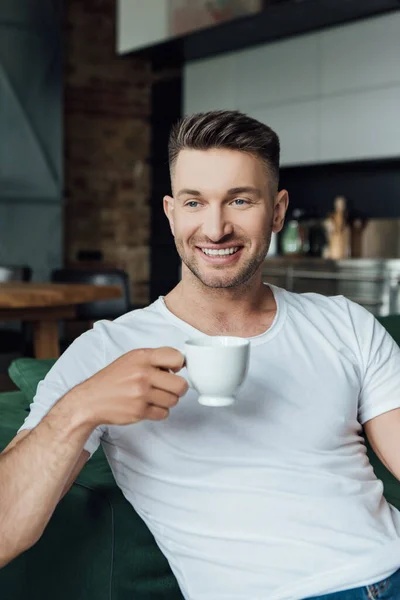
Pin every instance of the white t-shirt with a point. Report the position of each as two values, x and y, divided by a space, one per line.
273 496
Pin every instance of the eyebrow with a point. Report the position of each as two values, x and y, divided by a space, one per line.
187 192
244 190
231 192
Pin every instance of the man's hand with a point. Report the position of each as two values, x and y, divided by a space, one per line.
139 385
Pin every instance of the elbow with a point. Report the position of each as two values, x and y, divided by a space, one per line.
4 560
16 535
6 555
8 551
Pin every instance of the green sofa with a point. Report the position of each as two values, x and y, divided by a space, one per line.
96 547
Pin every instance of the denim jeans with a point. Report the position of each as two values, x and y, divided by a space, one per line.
388 589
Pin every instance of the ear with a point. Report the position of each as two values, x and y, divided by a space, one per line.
168 203
280 208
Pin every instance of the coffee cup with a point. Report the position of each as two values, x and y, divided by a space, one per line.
217 367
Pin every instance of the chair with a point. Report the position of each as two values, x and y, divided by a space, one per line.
88 313
18 273
13 341
100 309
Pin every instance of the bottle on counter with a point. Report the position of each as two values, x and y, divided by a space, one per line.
291 240
304 234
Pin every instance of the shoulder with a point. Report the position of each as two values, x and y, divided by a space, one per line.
332 308
141 317
99 346
82 359
94 350
335 316
132 328
342 321
87 355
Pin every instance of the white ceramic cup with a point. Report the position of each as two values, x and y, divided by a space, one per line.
217 367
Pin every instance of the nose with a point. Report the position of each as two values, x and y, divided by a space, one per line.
216 226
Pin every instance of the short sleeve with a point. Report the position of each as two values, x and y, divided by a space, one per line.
380 365
83 358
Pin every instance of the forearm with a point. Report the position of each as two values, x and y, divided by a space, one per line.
33 475
383 433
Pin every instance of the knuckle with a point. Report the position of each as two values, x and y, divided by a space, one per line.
140 409
144 378
141 387
141 355
135 358
141 376
160 353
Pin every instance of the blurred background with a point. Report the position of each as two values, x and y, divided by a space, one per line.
89 90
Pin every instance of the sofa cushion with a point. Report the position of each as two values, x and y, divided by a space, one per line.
12 415
73 559
27 372
392 325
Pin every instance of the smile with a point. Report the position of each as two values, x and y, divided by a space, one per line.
224 252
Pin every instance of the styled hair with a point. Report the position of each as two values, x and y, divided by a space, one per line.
228 129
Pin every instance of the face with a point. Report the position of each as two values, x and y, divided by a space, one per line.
222 214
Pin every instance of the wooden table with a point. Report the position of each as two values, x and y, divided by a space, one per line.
44 304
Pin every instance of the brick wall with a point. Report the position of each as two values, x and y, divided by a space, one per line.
107 145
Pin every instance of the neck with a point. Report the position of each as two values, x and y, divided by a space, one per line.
245 310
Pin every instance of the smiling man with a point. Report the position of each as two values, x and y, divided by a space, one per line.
222 223
270 498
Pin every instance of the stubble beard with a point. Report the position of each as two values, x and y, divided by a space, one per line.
221 279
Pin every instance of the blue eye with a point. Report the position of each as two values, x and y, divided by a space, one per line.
192 204
240 202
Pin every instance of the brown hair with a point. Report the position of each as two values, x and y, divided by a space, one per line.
229 129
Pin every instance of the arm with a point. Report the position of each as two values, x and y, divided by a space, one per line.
82 460
36 469
383 433
42 461
379 400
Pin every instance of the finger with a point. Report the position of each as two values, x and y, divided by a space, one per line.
167 358
156 413
162 398
169 382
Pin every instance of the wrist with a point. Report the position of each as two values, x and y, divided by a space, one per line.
76 407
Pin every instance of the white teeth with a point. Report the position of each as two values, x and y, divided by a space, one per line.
225 252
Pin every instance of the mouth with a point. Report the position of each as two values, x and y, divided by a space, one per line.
220 256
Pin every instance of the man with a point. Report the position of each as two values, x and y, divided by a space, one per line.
274 496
